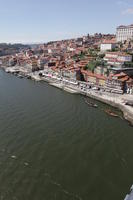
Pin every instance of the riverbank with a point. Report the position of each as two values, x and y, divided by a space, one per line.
115 100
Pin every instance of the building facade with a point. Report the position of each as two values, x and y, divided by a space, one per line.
107 45
117 58
124 33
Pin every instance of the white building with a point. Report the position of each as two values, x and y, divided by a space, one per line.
117 58
124 33
107 45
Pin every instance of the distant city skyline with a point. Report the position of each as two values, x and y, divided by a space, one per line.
31 21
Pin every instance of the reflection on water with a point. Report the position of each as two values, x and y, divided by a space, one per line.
53 146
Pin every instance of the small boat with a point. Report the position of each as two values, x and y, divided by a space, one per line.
91 104
20 76
94 105
109 112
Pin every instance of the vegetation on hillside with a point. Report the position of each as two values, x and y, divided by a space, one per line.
8 49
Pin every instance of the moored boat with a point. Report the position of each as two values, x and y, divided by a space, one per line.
91 104
20 76
109 112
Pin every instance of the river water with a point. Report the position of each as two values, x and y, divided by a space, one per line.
54 147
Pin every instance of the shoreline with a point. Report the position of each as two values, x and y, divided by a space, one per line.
126 110
115 100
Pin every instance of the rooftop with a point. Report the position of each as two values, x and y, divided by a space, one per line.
112 41
124 26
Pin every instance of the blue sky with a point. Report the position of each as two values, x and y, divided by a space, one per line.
32 21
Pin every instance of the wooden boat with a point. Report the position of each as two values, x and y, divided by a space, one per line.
109 112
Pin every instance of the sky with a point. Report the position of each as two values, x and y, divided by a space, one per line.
37 21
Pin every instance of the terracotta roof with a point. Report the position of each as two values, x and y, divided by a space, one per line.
120 74
118 53
124 79
130 80
113 41
89 73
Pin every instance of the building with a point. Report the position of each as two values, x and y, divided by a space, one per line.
117 83
94 79
12 61
34 65
117 58
108 45
124 33
117 70
101 70
69 73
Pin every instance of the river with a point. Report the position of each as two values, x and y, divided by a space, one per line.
54 147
